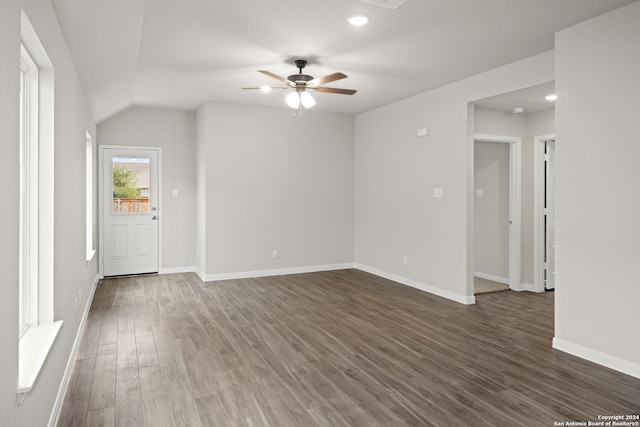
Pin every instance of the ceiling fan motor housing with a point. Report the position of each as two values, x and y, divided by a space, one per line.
300 78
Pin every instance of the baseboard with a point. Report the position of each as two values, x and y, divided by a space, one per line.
274 272
463 299
503 280
595 356
175 270
530 288
55 414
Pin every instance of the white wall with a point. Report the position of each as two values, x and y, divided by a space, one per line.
9 173
71 272
526 127
396 171
281 184
597 194
175 132
491 211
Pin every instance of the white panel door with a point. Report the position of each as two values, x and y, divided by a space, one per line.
130 211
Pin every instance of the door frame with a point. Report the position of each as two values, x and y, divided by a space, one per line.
538 210
100 172
515 203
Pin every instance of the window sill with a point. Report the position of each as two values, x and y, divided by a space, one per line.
90 255
34 347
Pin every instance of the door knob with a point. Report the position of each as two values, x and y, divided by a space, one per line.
154 217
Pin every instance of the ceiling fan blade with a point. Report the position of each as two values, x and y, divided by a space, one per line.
277 77
270 87
326 79
334 90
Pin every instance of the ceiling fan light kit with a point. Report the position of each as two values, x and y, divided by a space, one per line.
300 83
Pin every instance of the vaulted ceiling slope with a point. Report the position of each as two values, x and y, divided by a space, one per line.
179 54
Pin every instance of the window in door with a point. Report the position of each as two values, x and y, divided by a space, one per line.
130 185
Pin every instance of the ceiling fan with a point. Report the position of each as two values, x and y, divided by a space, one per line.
301 82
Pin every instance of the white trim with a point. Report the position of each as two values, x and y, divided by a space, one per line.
29 193
89 195
462 299
35 346
538 207
595 356
515 203
274 272
66 377
503 280
175 270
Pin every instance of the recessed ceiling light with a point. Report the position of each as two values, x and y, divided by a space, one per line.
358 20
551 97
265 89
518 110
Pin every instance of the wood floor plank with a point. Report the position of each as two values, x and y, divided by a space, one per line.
166 403
145 345
74 408
128 410
101 417
335 348
108 328
91 337
126 355
103 387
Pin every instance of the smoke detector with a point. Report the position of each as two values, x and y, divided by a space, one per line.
517 110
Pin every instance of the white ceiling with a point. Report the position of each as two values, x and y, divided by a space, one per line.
532 99
179 54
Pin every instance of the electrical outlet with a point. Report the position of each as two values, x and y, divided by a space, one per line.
405 260
275 253
76 302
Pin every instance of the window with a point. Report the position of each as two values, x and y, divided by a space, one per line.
37 328
28 275
130 185
89 196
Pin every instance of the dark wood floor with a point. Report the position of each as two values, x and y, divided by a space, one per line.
341 348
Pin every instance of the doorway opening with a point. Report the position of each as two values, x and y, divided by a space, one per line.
544 212
512 224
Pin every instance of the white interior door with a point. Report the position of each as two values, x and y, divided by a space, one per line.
130 211
550 253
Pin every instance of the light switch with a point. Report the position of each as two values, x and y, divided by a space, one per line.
175 193
423 131
438 192
479 192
